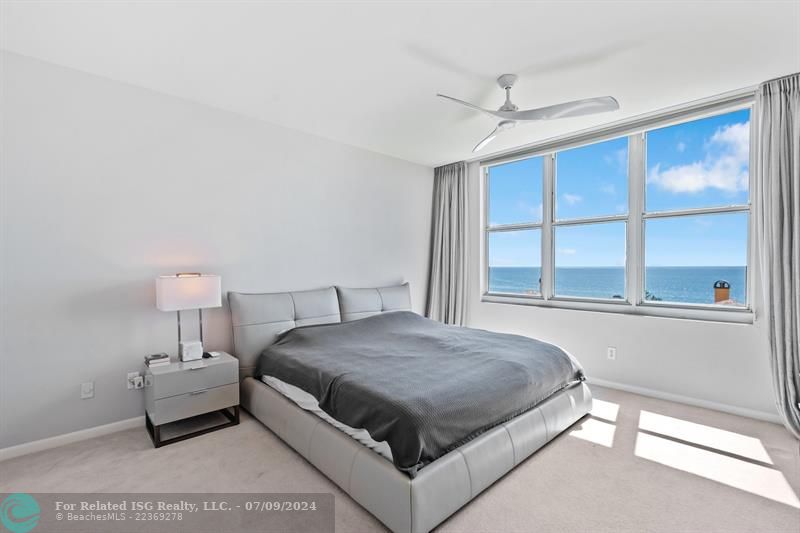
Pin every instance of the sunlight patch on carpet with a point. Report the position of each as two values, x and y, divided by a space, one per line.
743 475
595 431
720 439
605 410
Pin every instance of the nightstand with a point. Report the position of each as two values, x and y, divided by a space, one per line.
182 390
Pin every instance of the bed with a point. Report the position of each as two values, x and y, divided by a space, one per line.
404 501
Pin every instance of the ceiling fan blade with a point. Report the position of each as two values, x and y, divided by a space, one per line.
575 108
489 138
471 106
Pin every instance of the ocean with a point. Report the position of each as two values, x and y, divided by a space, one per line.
668 284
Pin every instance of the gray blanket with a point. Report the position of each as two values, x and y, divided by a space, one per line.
423 387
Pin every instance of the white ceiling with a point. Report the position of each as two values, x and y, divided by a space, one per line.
366 73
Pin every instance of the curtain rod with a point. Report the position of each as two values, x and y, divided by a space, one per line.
780 78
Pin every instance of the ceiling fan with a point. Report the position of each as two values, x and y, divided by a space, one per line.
509 113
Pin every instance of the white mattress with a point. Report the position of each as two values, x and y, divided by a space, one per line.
308 403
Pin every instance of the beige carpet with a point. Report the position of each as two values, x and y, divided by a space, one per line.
650 465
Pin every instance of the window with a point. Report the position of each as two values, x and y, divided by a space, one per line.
592 180
652 220
515 193
515 262
590 260
696 211
685 256
591 213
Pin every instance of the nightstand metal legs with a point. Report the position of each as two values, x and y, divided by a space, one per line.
155 431
233 417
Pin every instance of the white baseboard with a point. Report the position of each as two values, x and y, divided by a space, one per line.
741 411
69 438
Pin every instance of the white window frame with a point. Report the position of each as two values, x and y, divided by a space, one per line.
633 303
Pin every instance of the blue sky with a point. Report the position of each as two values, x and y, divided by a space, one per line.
697 164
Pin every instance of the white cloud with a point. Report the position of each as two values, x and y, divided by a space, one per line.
572 199
681 147
536 211
724 167
608 188
618 159
567 251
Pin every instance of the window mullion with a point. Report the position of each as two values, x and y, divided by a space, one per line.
548 276
485 232
695 211
634 256
514 227
593 220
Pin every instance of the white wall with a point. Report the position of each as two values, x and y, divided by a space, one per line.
706 362
105 186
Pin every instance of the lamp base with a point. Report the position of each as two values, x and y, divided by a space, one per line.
191 351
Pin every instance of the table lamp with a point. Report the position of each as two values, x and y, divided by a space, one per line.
185 291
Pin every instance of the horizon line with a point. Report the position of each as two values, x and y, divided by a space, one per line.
622 266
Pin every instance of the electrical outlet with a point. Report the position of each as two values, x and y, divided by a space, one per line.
138 382
132 380
612 353
87 390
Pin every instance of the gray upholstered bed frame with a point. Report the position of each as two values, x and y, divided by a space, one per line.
401 503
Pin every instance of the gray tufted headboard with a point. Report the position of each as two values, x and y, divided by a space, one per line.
259 318
361 303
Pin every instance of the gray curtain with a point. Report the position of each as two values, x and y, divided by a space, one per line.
777 203
447 287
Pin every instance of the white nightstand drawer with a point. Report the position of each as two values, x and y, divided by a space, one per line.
194 403
178 378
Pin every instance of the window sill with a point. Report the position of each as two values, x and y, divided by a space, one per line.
734 315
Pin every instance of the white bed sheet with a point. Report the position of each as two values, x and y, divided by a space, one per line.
308 403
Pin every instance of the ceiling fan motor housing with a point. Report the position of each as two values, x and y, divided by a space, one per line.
506 81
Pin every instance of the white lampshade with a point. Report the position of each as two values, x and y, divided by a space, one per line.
188 291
